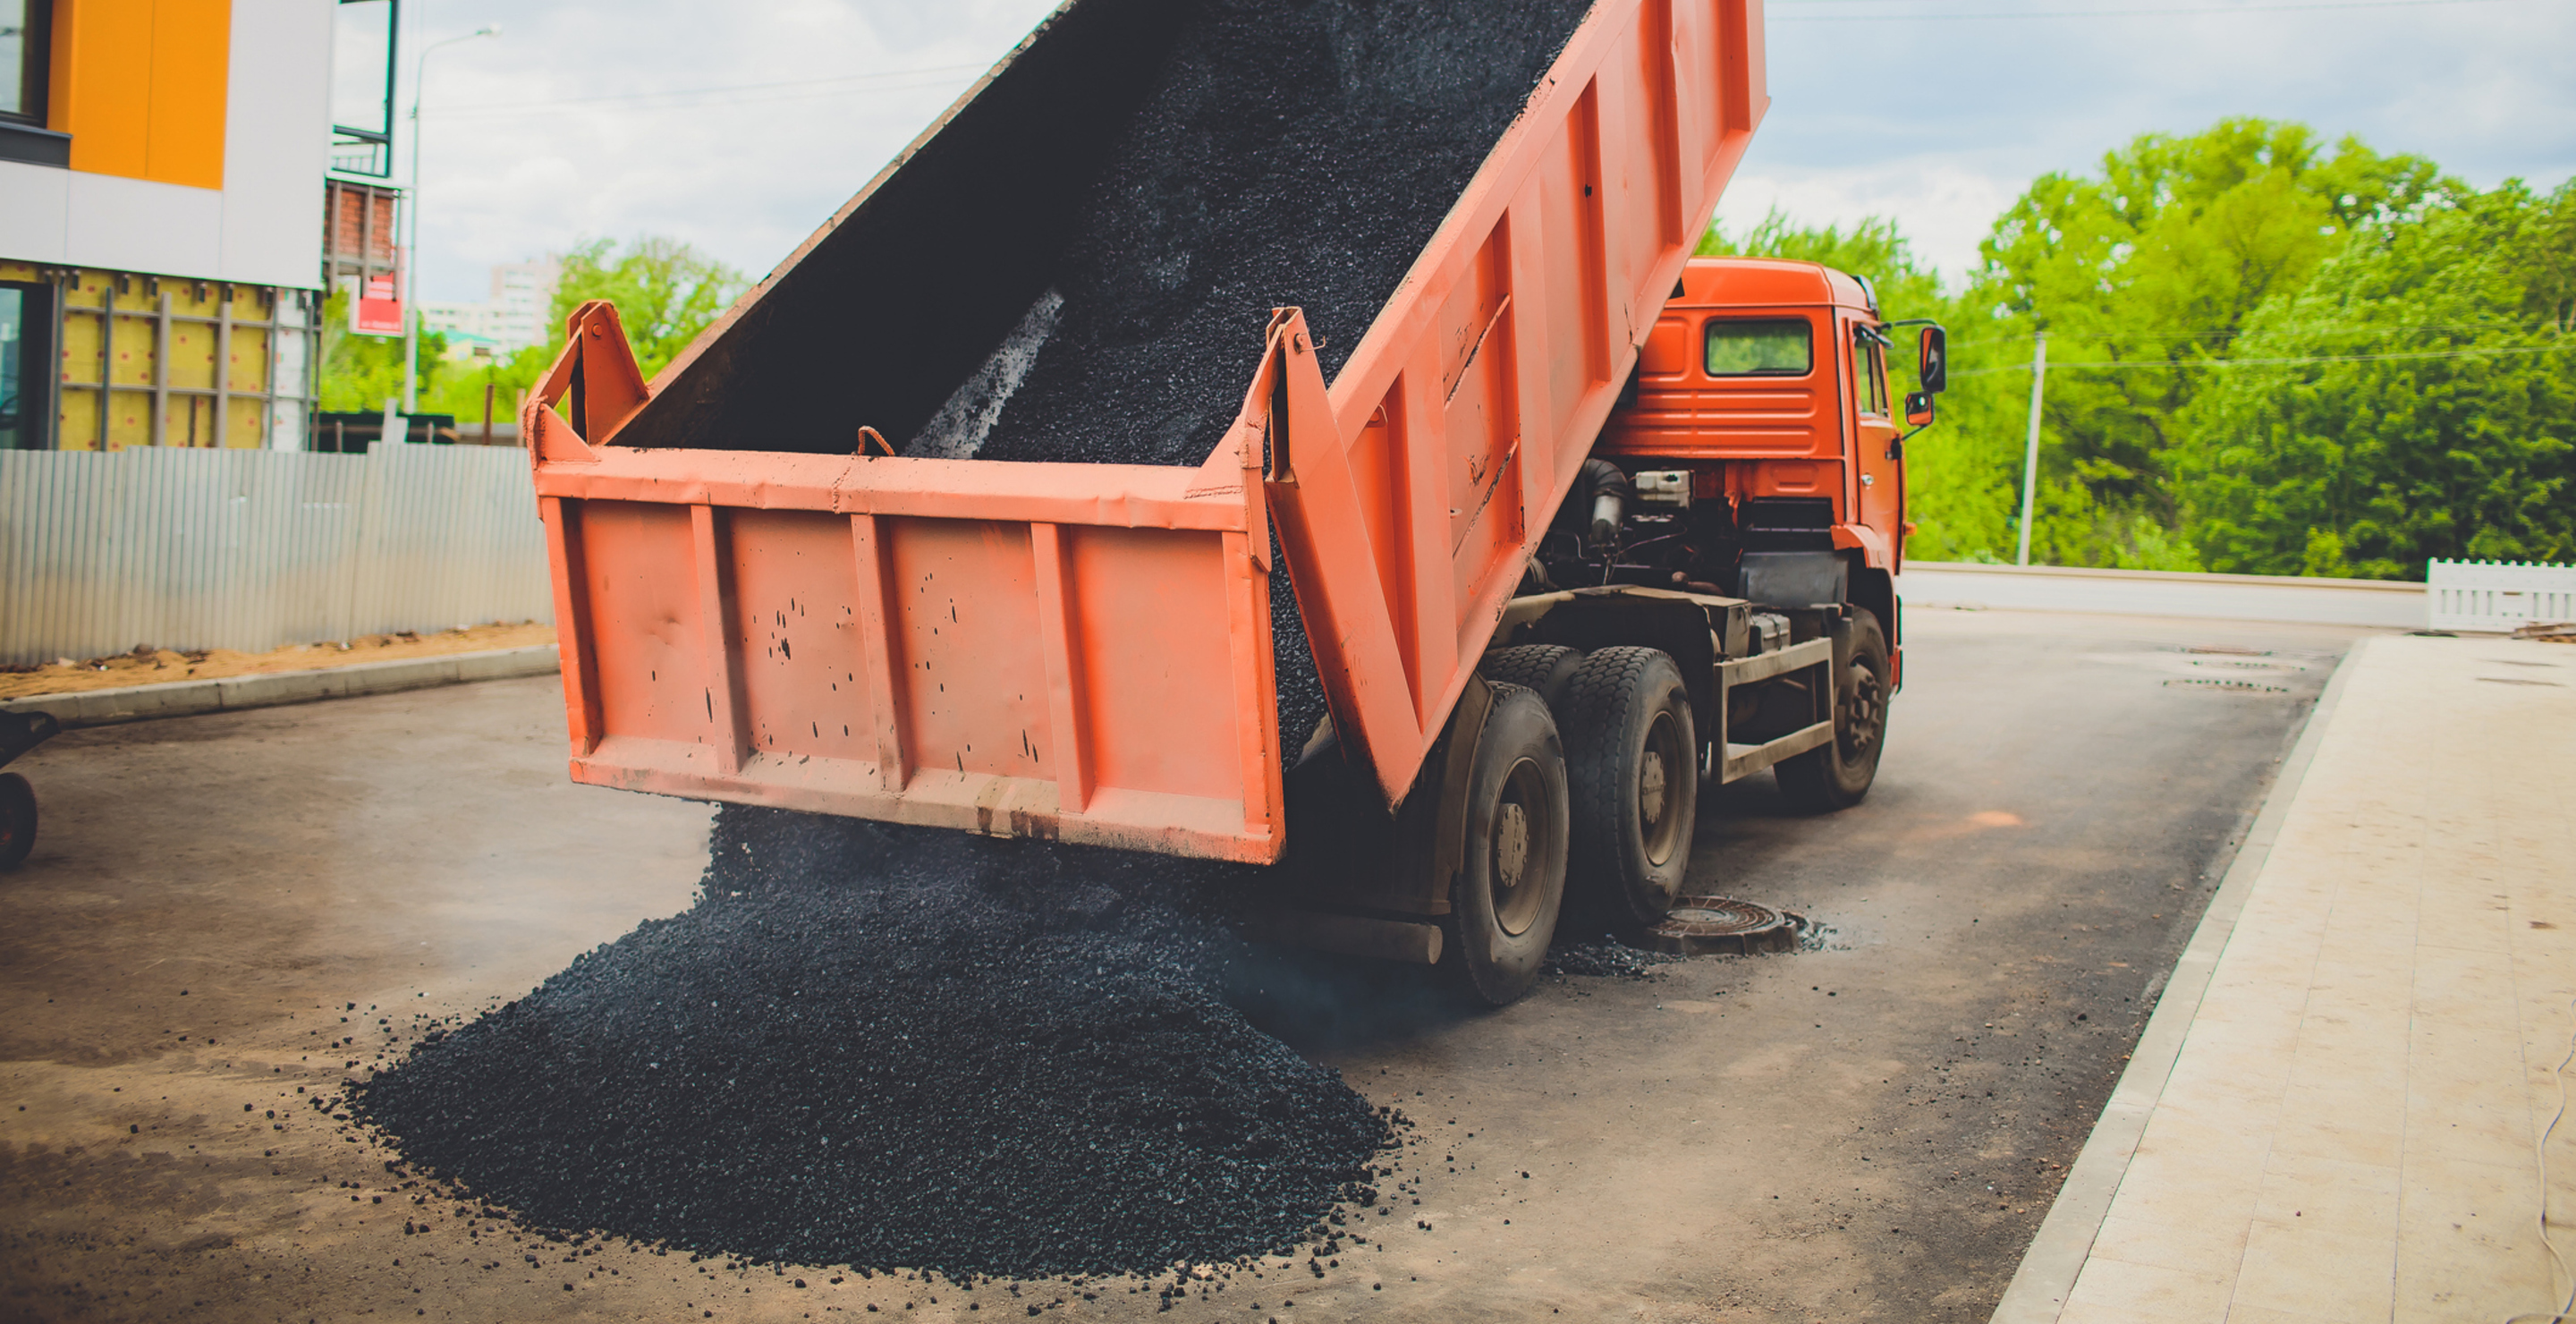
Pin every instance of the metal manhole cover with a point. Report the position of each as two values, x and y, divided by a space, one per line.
1713 925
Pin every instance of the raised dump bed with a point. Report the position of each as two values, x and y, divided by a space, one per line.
856 551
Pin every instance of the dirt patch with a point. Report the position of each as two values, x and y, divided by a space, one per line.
159 666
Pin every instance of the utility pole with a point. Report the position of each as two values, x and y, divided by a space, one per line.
2030 453
411 253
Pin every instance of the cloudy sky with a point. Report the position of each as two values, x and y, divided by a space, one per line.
740 127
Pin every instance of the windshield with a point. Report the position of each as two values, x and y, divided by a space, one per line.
1779 347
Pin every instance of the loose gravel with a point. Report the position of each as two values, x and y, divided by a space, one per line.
1604 957
898 1048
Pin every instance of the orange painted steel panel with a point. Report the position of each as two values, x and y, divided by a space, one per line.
1084 651
973 679
639 598
794 636
191 68
102 94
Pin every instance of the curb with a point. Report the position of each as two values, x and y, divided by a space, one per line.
185 698
2040 1287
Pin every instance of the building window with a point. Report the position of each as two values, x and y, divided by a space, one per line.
26 340
362 86
26 53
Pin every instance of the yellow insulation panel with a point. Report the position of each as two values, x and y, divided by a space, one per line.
126 359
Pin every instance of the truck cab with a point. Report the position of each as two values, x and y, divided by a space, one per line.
1762 444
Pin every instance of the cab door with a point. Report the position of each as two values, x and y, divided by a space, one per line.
1881 503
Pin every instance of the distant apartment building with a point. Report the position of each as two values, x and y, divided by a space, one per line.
516 316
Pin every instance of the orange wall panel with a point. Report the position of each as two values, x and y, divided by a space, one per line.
104 49
140 85
191 58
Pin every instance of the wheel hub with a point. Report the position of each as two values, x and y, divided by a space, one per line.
1511 845
1860 711
1650 787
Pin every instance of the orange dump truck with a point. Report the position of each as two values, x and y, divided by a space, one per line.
1579 522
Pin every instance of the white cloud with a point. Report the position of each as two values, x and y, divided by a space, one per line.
1942 207
1938 124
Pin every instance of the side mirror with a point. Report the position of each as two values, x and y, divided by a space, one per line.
1933 366
1918 409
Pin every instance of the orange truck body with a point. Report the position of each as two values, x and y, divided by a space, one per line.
1083 651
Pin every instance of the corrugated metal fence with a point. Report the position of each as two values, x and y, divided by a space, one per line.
254 549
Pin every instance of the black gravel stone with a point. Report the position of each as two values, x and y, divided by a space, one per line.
1604 957
889 1047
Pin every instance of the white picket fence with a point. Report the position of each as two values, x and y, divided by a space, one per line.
2499 595
252 549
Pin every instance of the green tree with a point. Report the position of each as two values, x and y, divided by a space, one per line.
360 372
666 292
2142 277
2369 466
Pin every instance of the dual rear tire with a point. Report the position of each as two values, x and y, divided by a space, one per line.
1583 796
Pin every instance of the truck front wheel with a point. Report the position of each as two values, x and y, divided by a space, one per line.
1837 774
1511 880
1633 770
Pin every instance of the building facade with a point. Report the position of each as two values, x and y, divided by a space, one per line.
515 317
161 220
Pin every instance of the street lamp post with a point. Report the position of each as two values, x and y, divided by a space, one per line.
411 253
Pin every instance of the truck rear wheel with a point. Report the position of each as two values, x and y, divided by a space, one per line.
1838 774
1545 668
1511 880
17 820
1633 774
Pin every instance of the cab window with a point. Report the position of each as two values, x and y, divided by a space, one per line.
1771 347
1869 372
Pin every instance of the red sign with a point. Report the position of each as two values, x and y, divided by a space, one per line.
377 310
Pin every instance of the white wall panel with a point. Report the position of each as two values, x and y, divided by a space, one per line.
277 142
35 203
140 225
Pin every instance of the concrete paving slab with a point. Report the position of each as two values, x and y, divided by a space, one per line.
2374 1054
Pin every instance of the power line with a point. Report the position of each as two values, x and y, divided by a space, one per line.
850 82
2151 365
2118 13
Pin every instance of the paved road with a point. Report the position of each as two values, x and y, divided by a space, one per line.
1868 1130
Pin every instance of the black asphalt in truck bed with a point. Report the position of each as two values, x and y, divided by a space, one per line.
1293 152
892 1047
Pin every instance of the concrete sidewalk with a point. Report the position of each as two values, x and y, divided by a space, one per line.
2337 1116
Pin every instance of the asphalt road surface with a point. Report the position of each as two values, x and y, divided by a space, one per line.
1870 1128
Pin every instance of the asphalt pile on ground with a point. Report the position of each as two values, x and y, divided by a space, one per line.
888 1047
